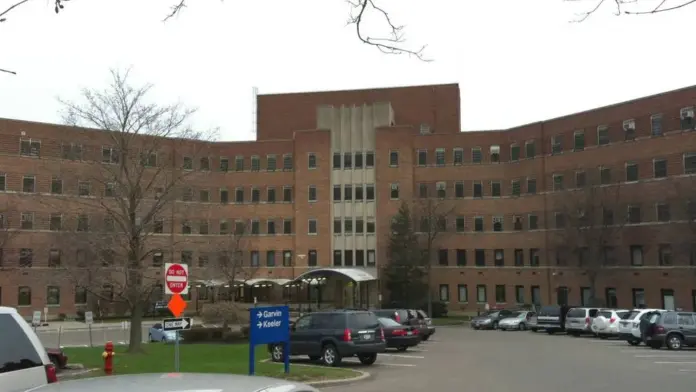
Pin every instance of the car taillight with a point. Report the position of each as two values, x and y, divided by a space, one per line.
347 336
397 317
51 374
659 329
587 320
398 332
415 331
381 333
611 320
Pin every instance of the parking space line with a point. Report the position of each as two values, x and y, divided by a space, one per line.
687 370
674 363
417 350
685 355
402 356
356 362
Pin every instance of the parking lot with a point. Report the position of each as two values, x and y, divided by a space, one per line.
497 361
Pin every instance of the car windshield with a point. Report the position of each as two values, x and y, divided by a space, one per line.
630 315
489 313
387 322
550 311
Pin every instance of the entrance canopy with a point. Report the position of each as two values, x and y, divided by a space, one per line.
214 282
261 281
355 274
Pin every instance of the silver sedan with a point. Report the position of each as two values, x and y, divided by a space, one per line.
519 320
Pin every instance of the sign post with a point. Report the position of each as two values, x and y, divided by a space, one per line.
176 283
36 319
89 319
269 325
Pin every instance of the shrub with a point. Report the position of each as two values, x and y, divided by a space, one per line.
201 334
224 313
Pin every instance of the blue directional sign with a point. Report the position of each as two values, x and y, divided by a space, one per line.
268 325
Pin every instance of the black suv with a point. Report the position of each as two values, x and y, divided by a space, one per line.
334 335
672 329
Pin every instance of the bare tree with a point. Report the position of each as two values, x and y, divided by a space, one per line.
226 266
431 216
588 223
391 43
632 7
127 191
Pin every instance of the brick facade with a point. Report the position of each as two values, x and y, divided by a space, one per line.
513 169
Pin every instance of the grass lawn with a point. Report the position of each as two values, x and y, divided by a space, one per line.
200 358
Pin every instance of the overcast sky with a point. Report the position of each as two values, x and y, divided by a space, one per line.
516 61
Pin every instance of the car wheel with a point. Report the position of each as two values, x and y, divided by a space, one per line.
522 326
330 356
367 359
402 348
277 353
633 342
674 342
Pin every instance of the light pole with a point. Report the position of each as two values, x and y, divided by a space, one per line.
300 258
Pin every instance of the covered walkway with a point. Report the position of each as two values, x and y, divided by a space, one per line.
338 287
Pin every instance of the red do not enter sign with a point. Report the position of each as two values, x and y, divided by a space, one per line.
176 278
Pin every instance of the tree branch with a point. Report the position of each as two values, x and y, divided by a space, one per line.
175 9
621 8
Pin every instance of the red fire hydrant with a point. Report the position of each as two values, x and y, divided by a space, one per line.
108 356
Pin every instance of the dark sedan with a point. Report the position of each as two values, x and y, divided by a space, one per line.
399 336
489 319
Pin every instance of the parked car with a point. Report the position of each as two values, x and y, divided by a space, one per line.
429 327
334 335
398 336
158 334
57 357
24 362
489 319
630 328
672 329
606 324
407 317
549 319
579 320
158 382
516 320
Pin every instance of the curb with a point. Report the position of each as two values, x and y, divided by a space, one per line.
326 383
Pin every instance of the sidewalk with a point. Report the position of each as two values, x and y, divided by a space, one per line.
80 326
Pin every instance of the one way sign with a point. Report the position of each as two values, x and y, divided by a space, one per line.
177 324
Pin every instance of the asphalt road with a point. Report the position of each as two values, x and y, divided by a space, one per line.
81 337
463 359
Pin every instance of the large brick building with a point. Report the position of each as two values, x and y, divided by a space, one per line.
329 169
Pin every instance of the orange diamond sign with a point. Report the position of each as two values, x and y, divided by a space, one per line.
176 305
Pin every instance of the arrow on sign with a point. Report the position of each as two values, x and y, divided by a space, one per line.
177 324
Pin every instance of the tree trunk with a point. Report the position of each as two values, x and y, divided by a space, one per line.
136 327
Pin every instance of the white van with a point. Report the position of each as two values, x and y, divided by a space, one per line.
24 363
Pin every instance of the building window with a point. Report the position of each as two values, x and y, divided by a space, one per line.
496 189
531 186
337 160
270 227
359 194
519 257
311 160
603 135
476 155
271 162
287 162
556 144
536 295
312 260
347 160
287 194
358 160
578 140
663 212
371 257
24 296
462 293
480 257
478 189
656 125
55 222
611 297
30 148
370 226
499 257
394 193
312 194
287 226
519 294
461 257
481 295
443 257
80 295
500 295
514 153
459 189
422 157
562 295
348 226
629 127
440 157
460 224
638 296
604 175
636 255
312 226
28 184
359 226
54 258
255 163
225 164
580 179
516 189
337 258
458 156
665 254
270 258
444 292
631 172
478 223
558 182
534 257
659 168
634 215
441 190
530 149
498 223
